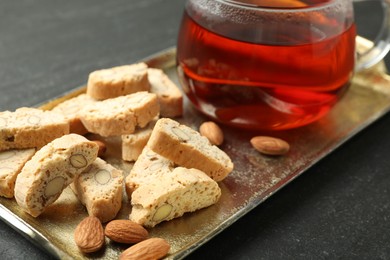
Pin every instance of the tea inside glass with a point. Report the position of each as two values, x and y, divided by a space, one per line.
266 64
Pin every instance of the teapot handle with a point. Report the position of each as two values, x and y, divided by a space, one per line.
381 45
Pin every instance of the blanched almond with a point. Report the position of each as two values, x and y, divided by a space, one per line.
54 186
162 212
102 176
78 161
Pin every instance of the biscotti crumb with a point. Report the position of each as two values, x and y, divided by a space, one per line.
118 81
171 195
30 128
51 170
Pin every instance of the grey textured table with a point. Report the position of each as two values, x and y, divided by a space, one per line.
340 208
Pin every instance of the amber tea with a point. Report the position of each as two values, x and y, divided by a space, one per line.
286 73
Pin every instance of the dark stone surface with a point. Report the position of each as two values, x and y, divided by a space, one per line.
340 208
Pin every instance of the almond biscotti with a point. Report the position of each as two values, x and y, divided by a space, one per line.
121 115
100 189
133 144
11 163
148 167
70 110
186 147
30 128
51 170
118 81
168 94
171 195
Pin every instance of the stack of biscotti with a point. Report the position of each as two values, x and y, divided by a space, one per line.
120 81
121 101
52 168
178 169
129 79
39 158
99 110
103 85
110 117
68 160
21 133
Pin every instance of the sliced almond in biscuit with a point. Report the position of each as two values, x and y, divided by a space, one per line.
54 186
102 177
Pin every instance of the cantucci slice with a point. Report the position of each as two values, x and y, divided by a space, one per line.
133 144
118 81
168 94
171 195
30 128
186 147
11 163
121 115
148 167
100 189
51 170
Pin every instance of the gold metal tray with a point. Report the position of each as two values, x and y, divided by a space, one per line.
254 179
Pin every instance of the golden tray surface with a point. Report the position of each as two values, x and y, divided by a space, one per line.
254 179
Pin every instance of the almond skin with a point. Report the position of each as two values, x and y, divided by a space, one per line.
212 131
89 235
125 231
270 145
152 248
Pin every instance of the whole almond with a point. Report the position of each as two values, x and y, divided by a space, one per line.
89 235
102 147
125 231
212 131
270 145
152 248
